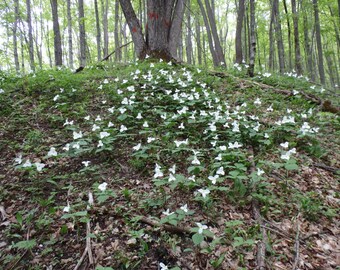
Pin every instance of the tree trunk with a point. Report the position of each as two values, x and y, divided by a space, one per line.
298 66
198 42
238 37
308 48
118 54
56 31
278 32
271 43
15 38
30 35
188 39
252 50
69 31
318 42
218 48
289 36
82 35
98 36
210 40
105 27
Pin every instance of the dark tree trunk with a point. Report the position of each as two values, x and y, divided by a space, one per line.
69 32
188 39
82 35
271 43
15 38
238 37
318 42
278 34
252 50
30 35
118 54
198 42
289 35
298 65
56 31
98 36
105 27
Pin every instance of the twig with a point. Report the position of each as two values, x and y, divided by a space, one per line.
81 259
297 245
169 228
88 242
108 56
327 168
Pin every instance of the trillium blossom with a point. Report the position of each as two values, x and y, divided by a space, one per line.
27 163
139 116
181 126
86 163
67 208
161 265
284 145
158 172
18 159
258 101
87 117
220 171
167 212
137 147
66 147
234 145
122 128
171 177
98 118
52 152
39 166
95 127
201 227
219 157
150 139
213 179
173 169
179 143
100 144
56 98
184 208
223 147
77 135
122 110
104 134
145 124
110 124
68 122
102 186
195 161
259 172
286 156
204 192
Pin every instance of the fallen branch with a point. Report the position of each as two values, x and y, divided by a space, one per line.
169 228
297 245
87 250
327 168
108 56
81 259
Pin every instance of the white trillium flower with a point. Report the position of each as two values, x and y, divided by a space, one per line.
234 145
161 265
27 164
139 116
76 146
95 127
87 118
158 172
220 171
67 208
204 192
284 145
104 134
223 147
52 152
258 101
259 172
122 128
213 179
66 147
219 157
98 118
201 227
86 163
18 159
110 124
184 208
167 212
39 166
100 144
145 124
195 161
102 186
137 147
150 139
77 135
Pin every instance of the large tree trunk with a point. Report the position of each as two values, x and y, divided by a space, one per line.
82 35
15 39
56 31
318 42
271 59
252 50
188 39
198 42
298 66
289 36
69 31
98 36
278 33
30 35
105 27
238 37
163 23
118 53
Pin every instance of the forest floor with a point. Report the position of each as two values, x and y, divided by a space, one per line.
157 166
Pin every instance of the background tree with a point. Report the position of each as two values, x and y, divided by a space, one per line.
57 38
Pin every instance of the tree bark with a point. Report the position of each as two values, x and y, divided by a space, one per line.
278 34
252 50
188 39
82 35
98 36
69 31
118 55
238 37
198 42
298 65
271 59
30 35
105 27
318 42
15 38
289 36
308 47
57 37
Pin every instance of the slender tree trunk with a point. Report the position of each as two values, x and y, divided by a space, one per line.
118 54
198 42
308 48
36 42
318 42
298 65
56 31
105 27
15 38
271 43
278 33
22 53
30 35
289 36
252 50
82 35
69 31
98 36
188 39
238 37
210 40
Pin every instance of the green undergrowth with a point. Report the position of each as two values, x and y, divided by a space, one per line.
177 145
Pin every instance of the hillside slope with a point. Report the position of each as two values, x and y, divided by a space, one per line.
155 166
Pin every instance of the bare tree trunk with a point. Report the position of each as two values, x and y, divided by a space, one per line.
218 48
69 31
298 66
289 36
30 35
308 48
15 38
36 42
318 42
252 50
56 31
188 39
210 40
238 37
118 55
105 27
278 32
22 53
271 43
198 42
98 36
82 35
